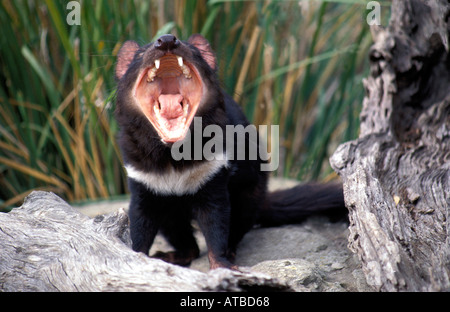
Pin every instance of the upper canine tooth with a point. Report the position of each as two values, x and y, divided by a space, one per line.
157 63
180 61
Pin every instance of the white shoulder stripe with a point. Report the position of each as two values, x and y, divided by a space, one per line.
173 182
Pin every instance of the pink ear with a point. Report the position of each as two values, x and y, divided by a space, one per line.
203 46
124 57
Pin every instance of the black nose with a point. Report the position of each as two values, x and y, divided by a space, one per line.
167 42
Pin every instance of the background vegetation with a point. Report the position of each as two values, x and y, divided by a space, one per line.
297 64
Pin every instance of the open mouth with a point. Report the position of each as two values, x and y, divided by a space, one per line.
169 93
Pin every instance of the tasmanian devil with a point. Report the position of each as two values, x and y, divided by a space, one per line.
162 87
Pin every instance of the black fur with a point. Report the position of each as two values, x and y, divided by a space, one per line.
230 203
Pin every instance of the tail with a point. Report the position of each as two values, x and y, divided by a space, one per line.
296 204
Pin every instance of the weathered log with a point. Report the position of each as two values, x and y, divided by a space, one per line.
397 174
46 245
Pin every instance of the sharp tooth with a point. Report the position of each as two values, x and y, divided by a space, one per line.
157 63
185 108
186 71
156 110
180 61
151 74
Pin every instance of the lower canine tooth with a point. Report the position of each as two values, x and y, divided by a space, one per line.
156 110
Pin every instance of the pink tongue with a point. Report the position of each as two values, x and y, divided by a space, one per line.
171 105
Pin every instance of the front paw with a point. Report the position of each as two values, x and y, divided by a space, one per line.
174 257
222 263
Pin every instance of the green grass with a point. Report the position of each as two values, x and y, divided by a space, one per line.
289 63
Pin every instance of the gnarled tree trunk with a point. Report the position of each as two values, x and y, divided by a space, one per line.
397 174
46 245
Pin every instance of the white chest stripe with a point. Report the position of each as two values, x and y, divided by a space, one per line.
174 182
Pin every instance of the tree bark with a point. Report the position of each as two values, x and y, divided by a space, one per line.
46 245
397 174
